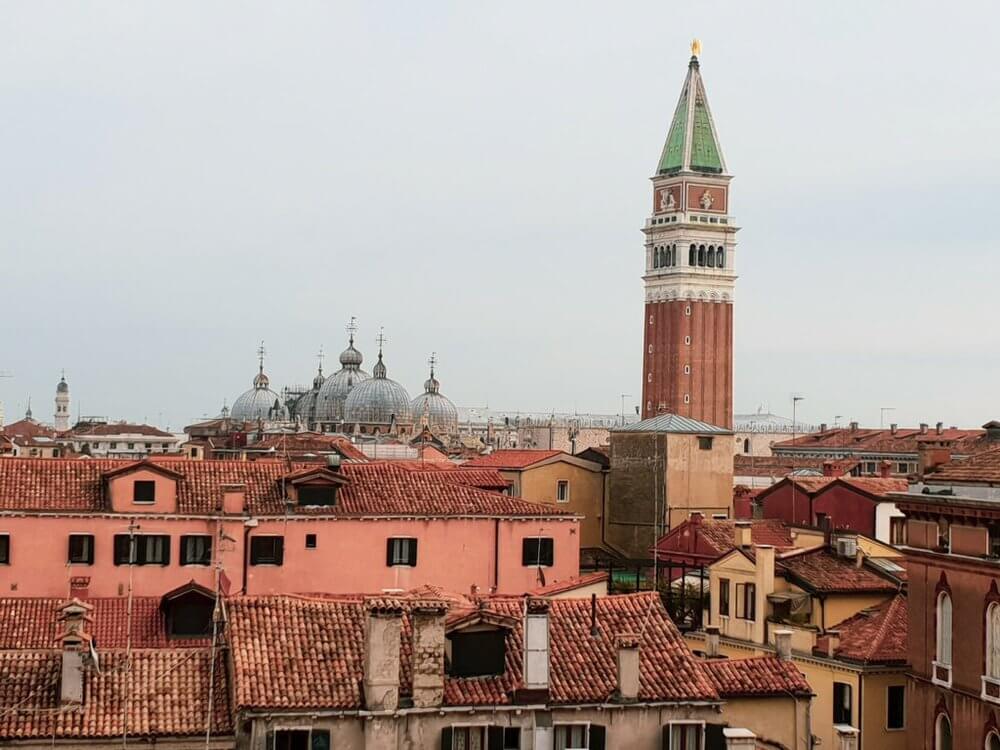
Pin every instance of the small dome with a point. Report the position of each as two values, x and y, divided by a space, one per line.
260 402
351 356
440 412
63 387
333 393
377 400
318 380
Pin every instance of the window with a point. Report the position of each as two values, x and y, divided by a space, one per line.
143 491
114 446
687 340
701 255
562 491
895 707
4 549
942 733
310 541
131 446
589 736
478 653
746 445
724 597
993 741
687 369
189 615
481 737
267 550
991 677
841 703
691 255
711 256
687 398
720 258
687 736
746 601
687 310
317 494
537 551
944 535
897 530
81 549
196 550
704 443
994 537
142 549
298 739
401 551
943 648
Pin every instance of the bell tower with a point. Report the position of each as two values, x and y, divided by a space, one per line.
61 421
690 261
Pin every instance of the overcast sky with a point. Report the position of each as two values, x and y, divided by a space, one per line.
183 179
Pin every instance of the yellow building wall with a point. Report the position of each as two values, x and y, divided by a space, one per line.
538 484
777 721
698 479
874 695
839 607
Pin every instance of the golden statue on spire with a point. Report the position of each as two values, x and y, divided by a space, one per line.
695 47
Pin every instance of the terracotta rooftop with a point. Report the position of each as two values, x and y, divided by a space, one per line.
983 468
904 440
297 443
759 676
877 486
877 635
165 693
371 489
576 582
782 466
484 479
101 429
822 570
510 459
714 538
306 653
27 428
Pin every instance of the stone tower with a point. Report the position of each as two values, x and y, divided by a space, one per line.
690 276
61 421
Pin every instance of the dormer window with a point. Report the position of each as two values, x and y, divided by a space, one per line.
318 494
188 611
478 653
143 491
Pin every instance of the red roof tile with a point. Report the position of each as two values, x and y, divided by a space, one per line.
511 459
760 676
877 486
27 428
820 569
576 582
297 443
306 653
982 468
165 692
372 489
484 479
716 537
877 635
115 428
905 440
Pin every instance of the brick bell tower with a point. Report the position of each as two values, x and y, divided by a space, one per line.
690 259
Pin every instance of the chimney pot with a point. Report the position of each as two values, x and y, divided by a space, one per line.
74 616
333 462
854 426
712 641
628 666
742 534
893 428
939 427
822 426
923 428
832 642
738 738
783 644
828 468
885 469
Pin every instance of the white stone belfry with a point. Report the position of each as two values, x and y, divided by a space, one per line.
61 420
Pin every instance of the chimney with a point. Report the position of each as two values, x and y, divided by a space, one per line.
742 534
893 428
923 428
738 738
832 642
234 497
885 469
854 426
696 517
829 469
939 428
628 666
822 426
992 431
783 644
712 641
859 557
75 641
333 462
536 645
381 677
427 618
931 454
847 737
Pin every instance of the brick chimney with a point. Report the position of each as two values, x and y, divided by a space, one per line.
628 666
885 469
832 642
696 518
923 428
742 534
536 645
712 641
234 499
829 469
893 428
939 428
427 618
931 454
75 642
382 631
783 644
847 737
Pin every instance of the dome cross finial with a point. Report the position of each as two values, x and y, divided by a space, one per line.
320 358
352 328
432 361
381 340
261 351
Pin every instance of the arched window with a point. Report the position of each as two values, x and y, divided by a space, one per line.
701 255
993 741
711 256
691 255
656 257
942 733
943 652
720 257
672 259
993 642
746 445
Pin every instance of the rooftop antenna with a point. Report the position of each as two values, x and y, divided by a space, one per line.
624 396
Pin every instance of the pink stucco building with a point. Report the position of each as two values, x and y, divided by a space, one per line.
105 527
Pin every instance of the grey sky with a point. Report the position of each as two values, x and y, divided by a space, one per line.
183 179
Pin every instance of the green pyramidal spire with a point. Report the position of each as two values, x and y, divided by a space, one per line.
692 143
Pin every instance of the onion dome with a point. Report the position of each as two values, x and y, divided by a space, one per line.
305 406
438 410
377 400
333 393
260 402
63 386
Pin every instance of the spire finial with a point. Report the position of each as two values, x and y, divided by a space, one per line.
432 361
260 355
380 340
320 358
352 328
695 47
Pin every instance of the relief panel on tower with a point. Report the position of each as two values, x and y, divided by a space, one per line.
667 199
711 198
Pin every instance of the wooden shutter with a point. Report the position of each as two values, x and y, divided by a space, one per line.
413 556
90 549
269 740
388 555
529 552
121 549
494 738
597 737
446 733
546 553
319 739
166 550
714 737
665 739
279 550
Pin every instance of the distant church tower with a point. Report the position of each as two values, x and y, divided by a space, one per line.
690 277
62 405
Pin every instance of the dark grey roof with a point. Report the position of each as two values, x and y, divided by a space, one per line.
674 423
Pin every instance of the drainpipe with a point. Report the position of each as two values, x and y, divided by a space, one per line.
861 707
496 555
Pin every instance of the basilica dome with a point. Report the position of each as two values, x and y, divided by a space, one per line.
305 407
333 393
260 402
377 400
439 411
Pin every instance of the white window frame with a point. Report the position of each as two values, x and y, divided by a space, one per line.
701 737
939 630
557 724
991 665
395 564
562 483
991 733
937 730
300 728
